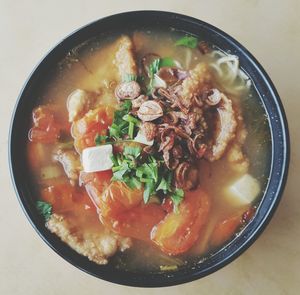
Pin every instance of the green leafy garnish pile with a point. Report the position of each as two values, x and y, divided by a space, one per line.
139 171
187 41
124 125
44 209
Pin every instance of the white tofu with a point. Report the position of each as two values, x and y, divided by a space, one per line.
244 191
97 158
141 138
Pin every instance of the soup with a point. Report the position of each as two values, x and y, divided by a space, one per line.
148 150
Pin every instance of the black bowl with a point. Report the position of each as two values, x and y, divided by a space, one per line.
270 99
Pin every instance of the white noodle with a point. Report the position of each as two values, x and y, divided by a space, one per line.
227 70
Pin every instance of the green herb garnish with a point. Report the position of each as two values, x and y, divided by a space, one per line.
100 139
120 127
187 41
138 171
159 63
177 198
44 209
129 78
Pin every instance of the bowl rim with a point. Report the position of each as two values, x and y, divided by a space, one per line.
146 280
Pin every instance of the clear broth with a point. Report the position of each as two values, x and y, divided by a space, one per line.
88 67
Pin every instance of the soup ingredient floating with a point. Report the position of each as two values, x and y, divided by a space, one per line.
133 163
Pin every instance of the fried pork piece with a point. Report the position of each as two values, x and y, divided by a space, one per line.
70 161
235 155
97 246
78 103
124 59
199 78
225 130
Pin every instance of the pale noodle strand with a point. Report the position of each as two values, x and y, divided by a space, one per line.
227 70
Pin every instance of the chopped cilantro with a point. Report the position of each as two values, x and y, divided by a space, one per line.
187 41
44 209
148 190
120 127
129 78
134 151
100 139
177 198
166 62
138 171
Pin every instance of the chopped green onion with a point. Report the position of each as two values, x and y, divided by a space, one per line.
187 41
129 118
129 77
44 209
130 130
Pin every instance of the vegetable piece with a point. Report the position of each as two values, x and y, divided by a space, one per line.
166 62
134 169
224 230
100 139
45 129
129 78
97 158
187 41
130 130
92 124
121 210
119 126
177 198
178 231
44 209
244 191
138 222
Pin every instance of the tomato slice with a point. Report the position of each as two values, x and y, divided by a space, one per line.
94 122
178 231
122 210
45 129
139 221
225 229
117 198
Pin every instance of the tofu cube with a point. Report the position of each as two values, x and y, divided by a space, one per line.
244 191
97 158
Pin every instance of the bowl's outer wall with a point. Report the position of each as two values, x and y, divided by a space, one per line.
136 20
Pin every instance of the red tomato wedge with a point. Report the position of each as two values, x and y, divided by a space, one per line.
92 123
45 129
138 222
224 230
178 231
122 210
